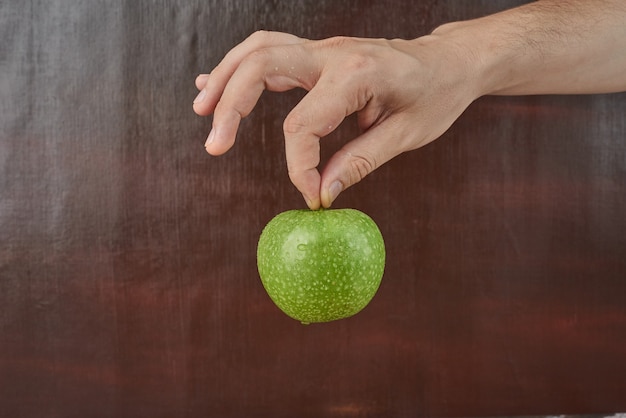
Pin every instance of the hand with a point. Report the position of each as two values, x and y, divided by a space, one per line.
406 94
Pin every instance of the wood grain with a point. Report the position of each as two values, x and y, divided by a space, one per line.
128 280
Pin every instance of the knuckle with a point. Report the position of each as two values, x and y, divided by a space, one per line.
258 56
340 42
360 166
356 55
294 175
294 123
259 48
359 62
260 37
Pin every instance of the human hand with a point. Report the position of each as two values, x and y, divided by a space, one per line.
405 93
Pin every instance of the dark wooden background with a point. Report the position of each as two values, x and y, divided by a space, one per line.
128 282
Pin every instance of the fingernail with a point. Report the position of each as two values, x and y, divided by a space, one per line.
200 97
335 188
210 138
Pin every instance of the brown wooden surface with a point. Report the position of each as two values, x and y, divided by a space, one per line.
128 283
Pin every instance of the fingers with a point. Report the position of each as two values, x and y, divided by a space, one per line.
266 60
232 90
314 117
279 62
320 112
212 85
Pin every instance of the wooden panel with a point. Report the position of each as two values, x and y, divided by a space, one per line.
128 279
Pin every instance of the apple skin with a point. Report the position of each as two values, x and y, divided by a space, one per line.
322 265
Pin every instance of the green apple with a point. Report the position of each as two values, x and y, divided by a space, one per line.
321 265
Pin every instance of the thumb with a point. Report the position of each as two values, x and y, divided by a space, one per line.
358 158
344 169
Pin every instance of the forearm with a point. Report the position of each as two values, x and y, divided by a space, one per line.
546 47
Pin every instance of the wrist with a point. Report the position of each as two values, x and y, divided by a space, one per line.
490 64
451 60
